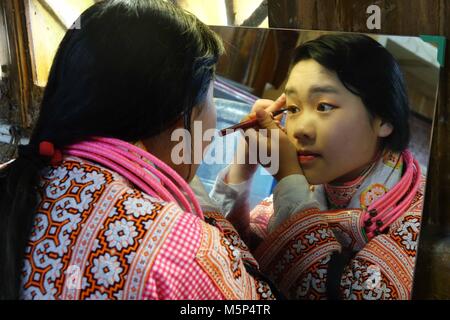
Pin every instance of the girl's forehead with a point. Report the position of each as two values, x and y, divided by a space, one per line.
308 75
311 70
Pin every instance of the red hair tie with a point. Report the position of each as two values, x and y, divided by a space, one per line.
47 149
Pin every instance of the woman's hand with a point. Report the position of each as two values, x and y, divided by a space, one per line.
285 152
241 170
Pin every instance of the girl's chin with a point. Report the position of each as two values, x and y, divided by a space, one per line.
314 178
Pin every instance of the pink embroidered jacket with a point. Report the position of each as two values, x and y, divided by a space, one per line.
95 236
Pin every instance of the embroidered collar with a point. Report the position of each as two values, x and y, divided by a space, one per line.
339 194
376 181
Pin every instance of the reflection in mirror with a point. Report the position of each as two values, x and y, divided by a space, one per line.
359 202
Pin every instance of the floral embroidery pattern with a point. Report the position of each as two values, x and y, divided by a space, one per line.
371 194
121 234
107 270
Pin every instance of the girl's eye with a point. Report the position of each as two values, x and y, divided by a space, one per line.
293 109
325 107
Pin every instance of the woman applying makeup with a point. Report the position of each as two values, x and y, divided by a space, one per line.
95 207
344 223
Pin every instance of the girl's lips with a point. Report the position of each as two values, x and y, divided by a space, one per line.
307 157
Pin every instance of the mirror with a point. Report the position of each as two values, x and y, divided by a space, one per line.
257 65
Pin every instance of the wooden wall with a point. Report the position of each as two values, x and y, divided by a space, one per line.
4 52
400 17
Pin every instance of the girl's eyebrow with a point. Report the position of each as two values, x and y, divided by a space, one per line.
322 89
313 90
290 91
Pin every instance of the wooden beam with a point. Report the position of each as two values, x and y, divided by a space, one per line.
52 13
21 79
231 15
258 16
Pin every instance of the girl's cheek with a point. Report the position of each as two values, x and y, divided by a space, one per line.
334 135
290 127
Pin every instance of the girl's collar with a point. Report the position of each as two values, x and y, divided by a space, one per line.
379 177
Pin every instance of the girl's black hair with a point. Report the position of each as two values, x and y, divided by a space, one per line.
128 70
369 71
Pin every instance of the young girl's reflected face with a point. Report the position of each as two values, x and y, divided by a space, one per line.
334 135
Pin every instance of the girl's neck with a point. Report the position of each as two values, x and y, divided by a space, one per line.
356 175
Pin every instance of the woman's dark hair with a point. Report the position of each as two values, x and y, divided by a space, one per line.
369 71
128 70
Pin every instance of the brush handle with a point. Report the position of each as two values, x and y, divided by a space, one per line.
242 125
248 123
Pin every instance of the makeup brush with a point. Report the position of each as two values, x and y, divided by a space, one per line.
249 123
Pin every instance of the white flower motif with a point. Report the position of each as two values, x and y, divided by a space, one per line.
311 238
298 246
97 178
264 290
262 293
236 241
409 243
138 207
322 273
386 291
106 270
374 278
58 173
288 256
373 294
236 253
412 224
319 285
78 174
121 234
323 233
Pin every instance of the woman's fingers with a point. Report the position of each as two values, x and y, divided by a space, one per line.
268 105
262 104
277 104
265 120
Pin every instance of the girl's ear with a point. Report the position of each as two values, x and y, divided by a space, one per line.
384 128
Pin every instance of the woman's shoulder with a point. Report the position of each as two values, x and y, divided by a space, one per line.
79 171
107 192
112 234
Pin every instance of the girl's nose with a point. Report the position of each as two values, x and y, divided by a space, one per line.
305 131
